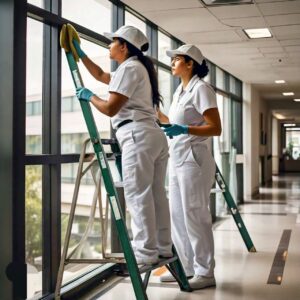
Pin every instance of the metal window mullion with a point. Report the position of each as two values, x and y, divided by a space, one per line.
152 34
51 145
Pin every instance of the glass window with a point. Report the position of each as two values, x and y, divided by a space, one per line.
89 239
73 129
220 79
292 146
39 3
34 85
164 43
33 230
132 20
164 83
237 126
235 86
96 16
208 77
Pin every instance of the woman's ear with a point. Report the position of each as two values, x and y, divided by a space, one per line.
190 64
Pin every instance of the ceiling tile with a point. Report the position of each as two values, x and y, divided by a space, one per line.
271 50
286 32
293 49
159 5
279 8
250 22
290 19
235 11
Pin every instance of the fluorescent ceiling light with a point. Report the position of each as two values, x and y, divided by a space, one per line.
226 2
288 94
297 100
258 33
293 129
279 116
288 125
279 81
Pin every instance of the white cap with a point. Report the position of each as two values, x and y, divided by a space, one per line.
190 50
132 35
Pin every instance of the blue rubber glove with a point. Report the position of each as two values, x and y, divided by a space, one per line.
79 51
84 94
176 129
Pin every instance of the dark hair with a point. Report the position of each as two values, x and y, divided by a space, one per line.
148 64
201 70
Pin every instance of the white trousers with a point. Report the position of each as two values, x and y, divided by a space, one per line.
189 190
144 163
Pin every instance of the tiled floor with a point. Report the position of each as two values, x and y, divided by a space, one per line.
239 274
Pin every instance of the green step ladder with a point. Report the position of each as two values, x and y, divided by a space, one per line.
234 211
172 264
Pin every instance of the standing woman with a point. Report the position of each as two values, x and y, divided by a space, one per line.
132 104
195 117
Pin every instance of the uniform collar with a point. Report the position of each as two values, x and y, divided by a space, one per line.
192 83
131 58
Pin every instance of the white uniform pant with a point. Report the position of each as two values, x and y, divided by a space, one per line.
189 190
144 163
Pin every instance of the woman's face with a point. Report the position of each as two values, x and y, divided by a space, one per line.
179 66
116 49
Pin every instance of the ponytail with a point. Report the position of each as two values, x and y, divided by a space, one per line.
200 70
148 64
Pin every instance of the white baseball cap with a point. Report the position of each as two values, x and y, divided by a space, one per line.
190 50
132 35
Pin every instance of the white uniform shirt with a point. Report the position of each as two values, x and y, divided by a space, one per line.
187 108
131 79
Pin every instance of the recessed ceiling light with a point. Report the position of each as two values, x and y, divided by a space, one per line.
279 116
297 100
288 94
288 125
279 81
258 33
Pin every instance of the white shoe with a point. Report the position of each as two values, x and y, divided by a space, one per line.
146 261
170 278
201 282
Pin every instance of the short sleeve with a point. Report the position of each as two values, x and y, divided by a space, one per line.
124 81
205 98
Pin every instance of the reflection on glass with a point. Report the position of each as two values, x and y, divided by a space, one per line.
86 230
164 83
34 87
74 130
220 80
94 15
33 229
132 20
164 43
292 146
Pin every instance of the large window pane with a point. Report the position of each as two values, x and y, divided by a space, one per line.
74 130
164 81
94 15
164 43
220 79
33 230
132 20
34 85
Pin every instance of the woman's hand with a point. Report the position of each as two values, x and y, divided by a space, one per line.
176 129
84 94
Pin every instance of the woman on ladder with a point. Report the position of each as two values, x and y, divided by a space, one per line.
195 117
132 104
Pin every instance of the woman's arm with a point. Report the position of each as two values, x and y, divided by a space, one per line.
95 70
211 128
111 106
162 117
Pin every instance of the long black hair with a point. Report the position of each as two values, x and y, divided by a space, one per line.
200 70
148 64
